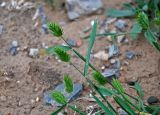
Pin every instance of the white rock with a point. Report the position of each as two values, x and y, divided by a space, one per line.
3 4
120 38
102 55
14 44
3 98
113 61
37 99
33 52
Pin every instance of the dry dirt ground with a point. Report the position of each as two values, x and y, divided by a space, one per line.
27 78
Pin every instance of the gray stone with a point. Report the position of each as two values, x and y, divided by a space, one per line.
122 112
13 51
111 73
130 54
33 52
72 42
14 44
117 64
1 29
113 50
77 89
120 24
152 100
76 8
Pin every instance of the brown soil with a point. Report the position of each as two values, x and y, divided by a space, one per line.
23 79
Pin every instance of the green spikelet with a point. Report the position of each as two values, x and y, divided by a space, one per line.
55 29
59 97
143 20
68 84
97 76
62 54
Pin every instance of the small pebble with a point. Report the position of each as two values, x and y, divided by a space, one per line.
122 112
19 103
14 44
112 61
33 52
130 55
3 98
72 42
102 55
122 79
152 100
37 99
1 29
32 101
13 51
120 38
120 24
79 43
103 68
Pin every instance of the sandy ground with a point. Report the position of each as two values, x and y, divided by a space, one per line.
27 78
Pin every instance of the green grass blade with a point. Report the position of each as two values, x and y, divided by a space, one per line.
104 107
124 105
106 91
139 89
58 110
156 45
76 110
129 101
136 29
91 43
120 13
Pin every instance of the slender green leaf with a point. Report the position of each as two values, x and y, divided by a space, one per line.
76 110
128 6
136 29
120 13
59 97
96 89
124 105
151 38
58 110
106 91
156 112
51 50
104 107
139 89
83 59
68 84
151 109
156 45
140 3
91 43
129 101
118 86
